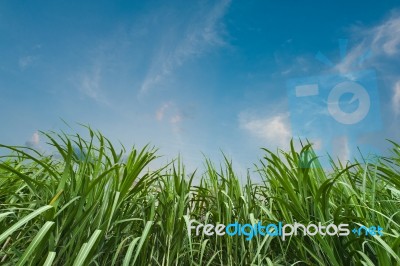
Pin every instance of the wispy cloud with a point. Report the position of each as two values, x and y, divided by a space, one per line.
29 59
380 47
162 110
90 84
175 115
379 44
26 61
201 32
386 37
176 119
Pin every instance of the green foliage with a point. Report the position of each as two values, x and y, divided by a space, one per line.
91 205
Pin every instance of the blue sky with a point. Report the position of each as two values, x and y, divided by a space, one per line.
192 76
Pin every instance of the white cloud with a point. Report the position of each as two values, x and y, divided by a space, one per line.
201 33
34 140
275 130
176 119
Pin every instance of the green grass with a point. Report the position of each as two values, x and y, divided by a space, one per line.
91 205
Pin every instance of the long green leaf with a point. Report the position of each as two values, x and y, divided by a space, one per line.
29 252
86 248
23 221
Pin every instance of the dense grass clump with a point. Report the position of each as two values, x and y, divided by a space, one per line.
91 205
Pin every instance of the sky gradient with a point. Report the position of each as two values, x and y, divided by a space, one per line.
191 77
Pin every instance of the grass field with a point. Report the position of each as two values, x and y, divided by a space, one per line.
92 205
